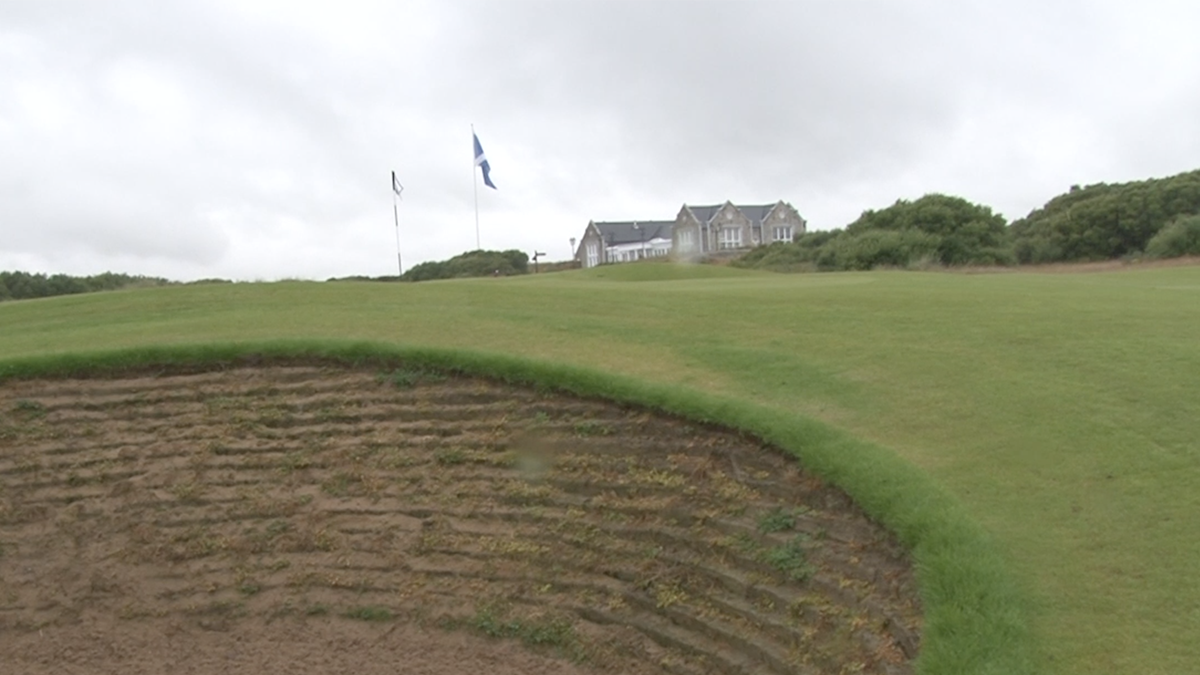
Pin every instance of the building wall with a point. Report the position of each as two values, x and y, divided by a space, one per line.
591 238
731 230
692 240
783 216
686 237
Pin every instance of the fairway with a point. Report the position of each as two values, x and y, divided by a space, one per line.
1059 410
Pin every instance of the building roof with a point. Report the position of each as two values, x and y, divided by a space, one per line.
756 212
634 231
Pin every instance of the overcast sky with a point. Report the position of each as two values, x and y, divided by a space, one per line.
250 139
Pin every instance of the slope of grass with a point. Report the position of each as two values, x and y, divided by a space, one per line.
1059 409
661 270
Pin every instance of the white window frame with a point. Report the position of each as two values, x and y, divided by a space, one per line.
730 238
593 254
782 232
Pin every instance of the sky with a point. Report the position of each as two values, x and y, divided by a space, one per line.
255 139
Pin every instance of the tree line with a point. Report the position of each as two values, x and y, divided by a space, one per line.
1156 218
25 285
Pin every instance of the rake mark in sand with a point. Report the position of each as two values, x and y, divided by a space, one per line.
273 503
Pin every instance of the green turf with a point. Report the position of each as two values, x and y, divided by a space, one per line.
661 270
1060 410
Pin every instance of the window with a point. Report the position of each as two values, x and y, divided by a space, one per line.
731 237
686 240
593 254
782 233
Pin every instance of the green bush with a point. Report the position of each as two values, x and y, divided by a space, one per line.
471 264
1181 237
879 248
1103 221
799 255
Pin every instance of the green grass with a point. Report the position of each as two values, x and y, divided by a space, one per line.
778 520
1031 436
544 632
660 270
789 558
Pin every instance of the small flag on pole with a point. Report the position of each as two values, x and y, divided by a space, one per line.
396 186
481 161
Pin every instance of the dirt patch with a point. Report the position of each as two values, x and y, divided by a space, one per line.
311 519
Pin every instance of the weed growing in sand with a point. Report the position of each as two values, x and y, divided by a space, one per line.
779 519
369 613
554 632
669 594
189 492
450 456
29 408
592 428
407 378
296 460
338 485
790 558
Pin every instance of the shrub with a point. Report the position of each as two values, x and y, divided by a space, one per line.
1179 238
879 248
471 264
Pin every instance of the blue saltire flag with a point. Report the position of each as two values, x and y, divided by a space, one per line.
481 161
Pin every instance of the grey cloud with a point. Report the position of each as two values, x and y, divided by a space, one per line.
191 131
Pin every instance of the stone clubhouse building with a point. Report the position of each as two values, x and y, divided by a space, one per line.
697 232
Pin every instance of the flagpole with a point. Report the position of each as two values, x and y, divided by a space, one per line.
396 216
475 187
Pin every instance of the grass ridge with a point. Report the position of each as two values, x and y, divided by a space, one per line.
975 615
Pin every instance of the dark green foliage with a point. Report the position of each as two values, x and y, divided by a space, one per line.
471 264
799 255
778 520
1181 237
933 230
790 558
23 285
959 232
869 249
1101 222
